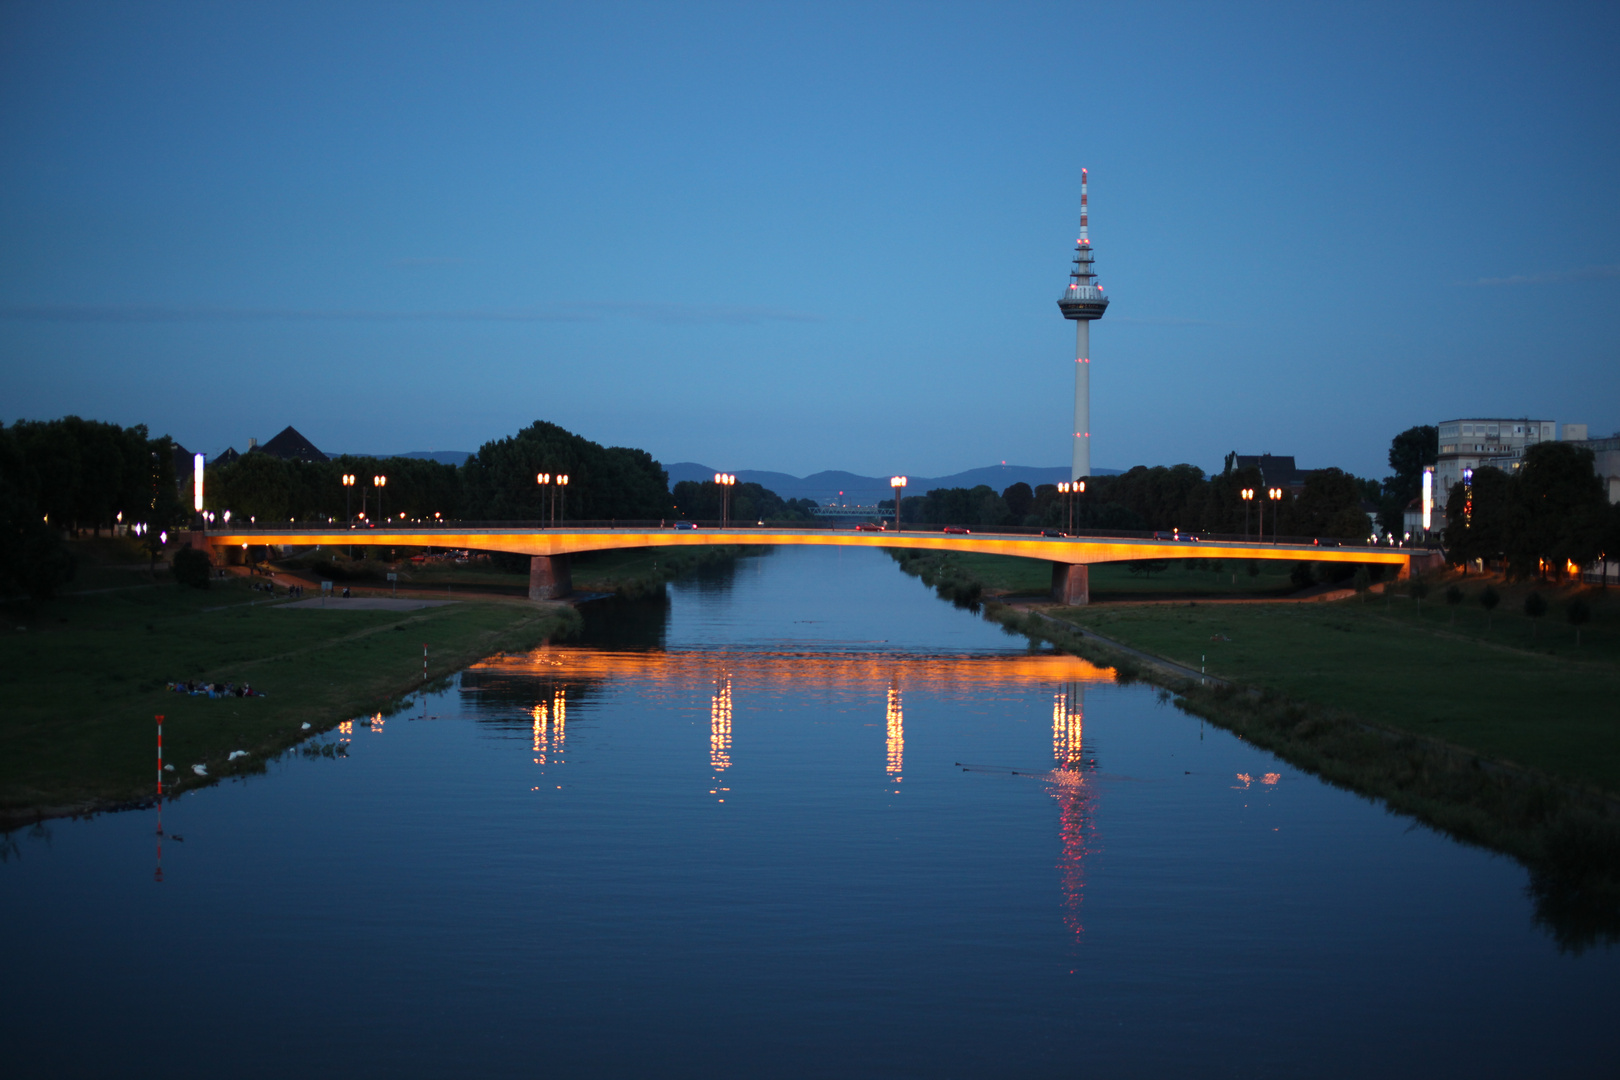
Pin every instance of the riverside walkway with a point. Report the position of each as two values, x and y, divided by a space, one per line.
549 548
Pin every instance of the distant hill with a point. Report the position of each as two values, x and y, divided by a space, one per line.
838 486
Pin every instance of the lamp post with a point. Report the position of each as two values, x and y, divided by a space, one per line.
725 480
562 483
1248 497
1275 495
379 482
544 480
898 485
1069 489
348 487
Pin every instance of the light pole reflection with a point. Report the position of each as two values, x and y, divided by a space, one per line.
1076 830
550 727
896 733
720 735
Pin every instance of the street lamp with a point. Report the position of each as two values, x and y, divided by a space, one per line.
379 482
348 487
725 480
1069 489
1248 497
562 482
898 484
544 480
1275 495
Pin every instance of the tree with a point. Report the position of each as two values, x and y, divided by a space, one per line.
1020 502
1409 453
1330 506
1577 613
1556 510
1535 606
191 567
1417 588
1362 582
1488 599
1454 596
604 482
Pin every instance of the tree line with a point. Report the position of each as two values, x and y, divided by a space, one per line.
1538 519
498 483
1159 498
700 500
62 476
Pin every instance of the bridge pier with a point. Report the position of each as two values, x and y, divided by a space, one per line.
549 577
1071 583
1420 562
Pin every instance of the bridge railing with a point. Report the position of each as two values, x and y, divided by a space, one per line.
456 528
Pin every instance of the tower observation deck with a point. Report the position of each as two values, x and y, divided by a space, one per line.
1082 301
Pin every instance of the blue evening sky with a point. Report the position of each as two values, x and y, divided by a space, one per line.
807 236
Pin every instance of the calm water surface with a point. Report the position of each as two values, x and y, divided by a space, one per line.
803 820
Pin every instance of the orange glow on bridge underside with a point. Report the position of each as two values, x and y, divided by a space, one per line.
865 671
569 542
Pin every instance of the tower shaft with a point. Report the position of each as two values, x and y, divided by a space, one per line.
1082 400
1083 301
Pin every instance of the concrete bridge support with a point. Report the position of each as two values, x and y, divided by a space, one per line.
550 577
1421 562
1071 583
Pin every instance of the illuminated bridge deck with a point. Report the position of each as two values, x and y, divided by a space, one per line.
1079 550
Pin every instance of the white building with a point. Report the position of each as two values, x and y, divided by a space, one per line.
1468 444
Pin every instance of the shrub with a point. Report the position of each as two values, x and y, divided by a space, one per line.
191 567
1578 613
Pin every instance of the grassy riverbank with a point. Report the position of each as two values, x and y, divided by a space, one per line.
970 576
84 675
1504 686
630 572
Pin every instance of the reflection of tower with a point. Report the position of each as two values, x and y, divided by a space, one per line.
1083 301
1068 719
1076 831
720 734
896 725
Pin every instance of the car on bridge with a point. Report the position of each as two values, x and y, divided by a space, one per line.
867 526
960 530
685 525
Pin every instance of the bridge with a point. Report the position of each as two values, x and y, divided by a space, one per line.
549 548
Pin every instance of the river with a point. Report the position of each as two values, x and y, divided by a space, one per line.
800 819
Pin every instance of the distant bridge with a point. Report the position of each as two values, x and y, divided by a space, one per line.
549 549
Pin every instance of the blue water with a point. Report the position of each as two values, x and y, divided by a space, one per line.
803 820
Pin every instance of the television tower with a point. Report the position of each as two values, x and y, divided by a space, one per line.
1082 301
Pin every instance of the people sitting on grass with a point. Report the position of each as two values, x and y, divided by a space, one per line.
214 690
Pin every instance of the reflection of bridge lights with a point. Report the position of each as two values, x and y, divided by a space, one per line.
548 727
896 734
346 729
720 730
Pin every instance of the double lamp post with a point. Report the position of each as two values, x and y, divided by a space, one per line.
1274 495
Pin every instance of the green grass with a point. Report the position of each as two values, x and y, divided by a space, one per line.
83 676
1000 575
631 571
1507 687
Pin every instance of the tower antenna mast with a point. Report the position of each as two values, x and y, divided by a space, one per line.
1084 302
